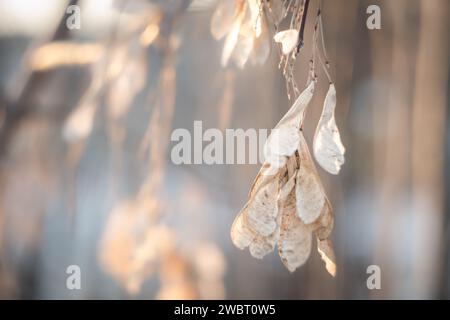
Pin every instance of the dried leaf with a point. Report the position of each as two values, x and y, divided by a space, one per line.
328 148
325 248
288 39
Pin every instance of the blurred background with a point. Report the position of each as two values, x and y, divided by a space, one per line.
86 178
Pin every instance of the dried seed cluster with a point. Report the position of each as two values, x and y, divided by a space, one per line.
287 203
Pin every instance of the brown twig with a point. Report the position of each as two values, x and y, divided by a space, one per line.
302 26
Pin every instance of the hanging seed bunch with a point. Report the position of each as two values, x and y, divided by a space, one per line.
287 206
244 26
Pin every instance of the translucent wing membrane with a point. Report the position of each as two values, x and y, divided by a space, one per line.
328 148
325 248
309 191
285 137
244 27
294 245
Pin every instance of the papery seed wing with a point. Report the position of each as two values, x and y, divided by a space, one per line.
323 226
309 190
328 148
276 161
287 188
241 235
262 208
259 216
222 19
255 16
242 51
261 44
287 179
284 139
262 245
247 26
230 43
288 39
265 175
325 248
233 34
295 115
294 244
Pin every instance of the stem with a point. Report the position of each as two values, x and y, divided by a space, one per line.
302 26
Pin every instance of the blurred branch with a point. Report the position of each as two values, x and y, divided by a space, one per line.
15 112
